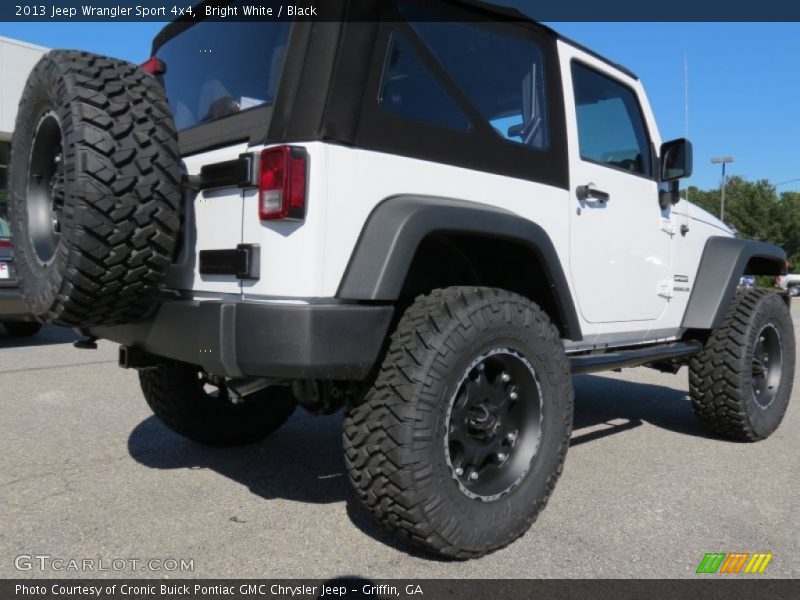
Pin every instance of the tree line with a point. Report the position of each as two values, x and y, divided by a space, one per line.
757 211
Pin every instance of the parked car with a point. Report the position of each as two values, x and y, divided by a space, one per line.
14 315
416 219
790 283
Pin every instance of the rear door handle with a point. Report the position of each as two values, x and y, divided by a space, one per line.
585 192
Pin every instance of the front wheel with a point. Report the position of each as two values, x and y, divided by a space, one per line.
794 290
740 384
460 442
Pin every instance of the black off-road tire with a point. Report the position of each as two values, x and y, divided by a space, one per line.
721 377
22 328
395 442
110 193
177 395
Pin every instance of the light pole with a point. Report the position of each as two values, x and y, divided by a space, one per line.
723 160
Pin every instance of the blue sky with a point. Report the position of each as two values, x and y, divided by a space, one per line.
744 86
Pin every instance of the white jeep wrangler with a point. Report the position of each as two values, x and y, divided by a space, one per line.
432 217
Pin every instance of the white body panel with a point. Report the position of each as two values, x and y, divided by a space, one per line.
620 260
351 183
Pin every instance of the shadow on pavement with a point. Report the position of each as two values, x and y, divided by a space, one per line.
49 335
304 462
625 405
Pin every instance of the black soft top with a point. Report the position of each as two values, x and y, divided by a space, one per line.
370 10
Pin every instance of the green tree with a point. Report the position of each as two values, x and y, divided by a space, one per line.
756 211
786 216
708 200
749 207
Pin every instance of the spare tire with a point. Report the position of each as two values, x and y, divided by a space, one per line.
94 190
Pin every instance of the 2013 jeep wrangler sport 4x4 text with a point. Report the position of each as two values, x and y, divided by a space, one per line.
431 215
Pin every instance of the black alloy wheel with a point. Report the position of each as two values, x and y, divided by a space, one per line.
492 435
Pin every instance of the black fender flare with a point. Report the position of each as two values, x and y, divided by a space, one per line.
396 226
721 266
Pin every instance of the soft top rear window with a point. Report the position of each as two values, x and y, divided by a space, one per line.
217 69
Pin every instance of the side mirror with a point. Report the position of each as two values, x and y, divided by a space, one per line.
676 159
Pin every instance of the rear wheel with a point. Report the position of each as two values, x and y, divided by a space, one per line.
22 329
460 442
183 398
740 384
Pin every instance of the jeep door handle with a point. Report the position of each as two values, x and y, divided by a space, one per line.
584 192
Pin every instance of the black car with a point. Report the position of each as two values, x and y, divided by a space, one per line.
13 312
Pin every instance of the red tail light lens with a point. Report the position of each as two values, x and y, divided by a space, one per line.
154 66
5 243
282 184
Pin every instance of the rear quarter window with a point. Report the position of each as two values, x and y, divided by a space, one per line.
411 91
501 76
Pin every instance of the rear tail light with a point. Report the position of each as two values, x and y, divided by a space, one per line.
282 184
5 243
154 66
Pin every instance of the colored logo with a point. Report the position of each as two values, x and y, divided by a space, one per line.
734 562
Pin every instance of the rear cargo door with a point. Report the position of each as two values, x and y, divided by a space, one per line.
221 79
212 221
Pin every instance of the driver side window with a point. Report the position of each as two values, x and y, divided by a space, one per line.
611 130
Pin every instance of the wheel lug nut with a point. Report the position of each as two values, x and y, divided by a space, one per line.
459 471
501 456
513 395
511 436
505 377
473 476
481 367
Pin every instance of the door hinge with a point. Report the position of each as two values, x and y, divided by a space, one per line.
667 227
665 288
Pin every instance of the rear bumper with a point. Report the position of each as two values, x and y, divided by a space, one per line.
259 339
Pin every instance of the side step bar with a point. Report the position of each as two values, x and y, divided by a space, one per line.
607 361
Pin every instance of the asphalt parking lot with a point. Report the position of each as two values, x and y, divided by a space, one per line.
87 472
